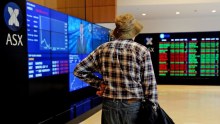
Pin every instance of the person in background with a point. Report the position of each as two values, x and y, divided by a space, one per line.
126 70
81 43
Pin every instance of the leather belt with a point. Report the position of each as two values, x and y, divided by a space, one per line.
124 100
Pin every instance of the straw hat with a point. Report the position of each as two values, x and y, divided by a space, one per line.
127 27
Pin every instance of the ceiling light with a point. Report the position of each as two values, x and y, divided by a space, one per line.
213 11
143 14
177 13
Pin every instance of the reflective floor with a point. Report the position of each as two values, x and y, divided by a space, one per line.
185 104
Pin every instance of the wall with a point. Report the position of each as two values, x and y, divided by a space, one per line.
181 25
198 24
90 10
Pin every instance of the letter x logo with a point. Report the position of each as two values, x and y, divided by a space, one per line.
149 41
13 16
13 20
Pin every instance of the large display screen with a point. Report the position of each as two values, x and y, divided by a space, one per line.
185 55
47 32
74 82
100 35
57 42
189 55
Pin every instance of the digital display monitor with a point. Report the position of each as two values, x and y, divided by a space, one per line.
57 42
100 35
186 54
38 16
189 55
59 32
38 28
39 65
47 34
85 44
74 82
74 34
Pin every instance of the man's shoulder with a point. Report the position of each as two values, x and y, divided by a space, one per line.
139 46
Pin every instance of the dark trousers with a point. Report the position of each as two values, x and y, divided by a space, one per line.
120 111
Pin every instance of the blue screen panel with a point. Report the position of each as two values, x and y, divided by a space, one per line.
74 34
38 16
100 35
86 40
59 42
38 41
60 64
39 65
59 32
73 24
74 82
58 22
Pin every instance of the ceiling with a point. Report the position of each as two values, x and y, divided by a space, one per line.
158 9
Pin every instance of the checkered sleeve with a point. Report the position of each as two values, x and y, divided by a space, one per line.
86 68
150 84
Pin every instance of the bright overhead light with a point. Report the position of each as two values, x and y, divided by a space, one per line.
213 11
143 14
177 13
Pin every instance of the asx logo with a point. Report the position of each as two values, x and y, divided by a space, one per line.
13 16
149 41
13 19
149 44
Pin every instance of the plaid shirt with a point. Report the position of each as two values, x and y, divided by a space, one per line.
125 67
